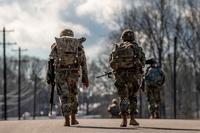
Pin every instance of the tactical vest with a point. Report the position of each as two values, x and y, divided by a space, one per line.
67 52
155 77
125 56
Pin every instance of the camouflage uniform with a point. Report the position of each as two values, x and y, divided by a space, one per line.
67 77
114 109
128 80
154 79
153 96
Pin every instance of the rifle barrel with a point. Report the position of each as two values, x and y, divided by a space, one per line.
101 76
106 74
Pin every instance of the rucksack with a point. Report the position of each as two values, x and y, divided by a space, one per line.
67 51
155 77
125 56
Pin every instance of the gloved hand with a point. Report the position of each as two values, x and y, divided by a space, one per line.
48 81
85 82
82 39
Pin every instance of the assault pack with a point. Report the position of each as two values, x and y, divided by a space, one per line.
125 56
154 77
67 51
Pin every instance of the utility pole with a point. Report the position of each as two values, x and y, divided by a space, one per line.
19 79
5 70
175 48
196 79
35 79
35 90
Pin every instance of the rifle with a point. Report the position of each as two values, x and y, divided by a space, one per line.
106 74
51 78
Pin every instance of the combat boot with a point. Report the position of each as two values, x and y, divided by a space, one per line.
124 120
73 119
157 115
67 121
133 121
152 116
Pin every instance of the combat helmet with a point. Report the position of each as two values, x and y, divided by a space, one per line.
151 61
67 32
128 35
114 101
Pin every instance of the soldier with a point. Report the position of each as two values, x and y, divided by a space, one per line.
127 61
69 58
114 109
154 79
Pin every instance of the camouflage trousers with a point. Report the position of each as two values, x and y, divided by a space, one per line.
153 97
66 82
127 84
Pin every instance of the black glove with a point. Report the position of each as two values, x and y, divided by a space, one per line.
82 39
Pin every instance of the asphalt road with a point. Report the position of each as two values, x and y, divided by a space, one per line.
100 126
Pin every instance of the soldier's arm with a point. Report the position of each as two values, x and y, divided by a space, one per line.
83 66
53 53
163 76
110 57
109 109
115 46
142 57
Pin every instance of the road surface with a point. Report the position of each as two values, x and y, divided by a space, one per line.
100 126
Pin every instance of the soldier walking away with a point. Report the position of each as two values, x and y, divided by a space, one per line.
69 60
113 109
127 61
154 79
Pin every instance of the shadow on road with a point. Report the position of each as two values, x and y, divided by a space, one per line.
175 129
138 127
113 128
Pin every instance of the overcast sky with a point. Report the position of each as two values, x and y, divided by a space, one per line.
37 22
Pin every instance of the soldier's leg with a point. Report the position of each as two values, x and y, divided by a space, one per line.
65 101
74 108
133 104
63 87
124 102
74 103
157 103
151 102
72 80
133 88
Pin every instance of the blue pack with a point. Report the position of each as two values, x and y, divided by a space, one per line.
154 77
